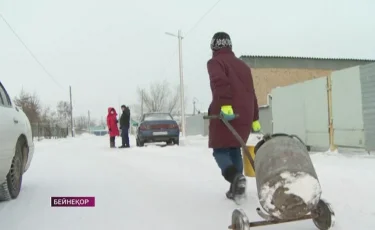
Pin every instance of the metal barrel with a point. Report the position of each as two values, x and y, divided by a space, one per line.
288 186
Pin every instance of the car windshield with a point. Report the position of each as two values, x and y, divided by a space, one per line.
157 117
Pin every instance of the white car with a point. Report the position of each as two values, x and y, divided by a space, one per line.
16 146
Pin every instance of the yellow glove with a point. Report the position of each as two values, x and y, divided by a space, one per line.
227 112
256 126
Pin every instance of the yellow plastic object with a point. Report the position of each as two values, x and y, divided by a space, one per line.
227 109
249 171
256 126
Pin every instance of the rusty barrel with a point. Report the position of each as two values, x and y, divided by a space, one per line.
288 186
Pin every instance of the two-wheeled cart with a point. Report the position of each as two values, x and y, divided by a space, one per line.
279 160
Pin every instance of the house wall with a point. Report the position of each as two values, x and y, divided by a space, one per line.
265 79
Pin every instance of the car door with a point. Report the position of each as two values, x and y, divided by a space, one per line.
9 126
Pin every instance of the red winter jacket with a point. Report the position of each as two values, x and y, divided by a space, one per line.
231 84
112 122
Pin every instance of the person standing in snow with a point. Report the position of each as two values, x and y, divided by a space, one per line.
124 126
233 94
112 126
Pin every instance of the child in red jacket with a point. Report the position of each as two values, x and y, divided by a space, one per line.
112 126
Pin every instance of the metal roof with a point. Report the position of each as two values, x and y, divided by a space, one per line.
311 58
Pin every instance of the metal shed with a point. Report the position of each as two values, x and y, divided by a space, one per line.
305 109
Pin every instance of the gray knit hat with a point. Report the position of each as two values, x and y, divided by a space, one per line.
220 40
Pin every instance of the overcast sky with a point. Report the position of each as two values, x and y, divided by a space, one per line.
104 49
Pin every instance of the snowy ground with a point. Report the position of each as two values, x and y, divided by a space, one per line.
168 188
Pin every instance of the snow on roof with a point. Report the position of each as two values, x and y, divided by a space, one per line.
311 58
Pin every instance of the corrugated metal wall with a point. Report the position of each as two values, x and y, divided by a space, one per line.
347 108
196 125
265 118
367 79
302 109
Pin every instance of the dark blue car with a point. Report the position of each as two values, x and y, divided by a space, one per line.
157 127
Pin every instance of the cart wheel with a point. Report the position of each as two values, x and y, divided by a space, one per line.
326 216
239 220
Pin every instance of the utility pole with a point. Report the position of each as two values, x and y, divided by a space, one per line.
195 100
194 107
182 96
89 122
142 98
71 111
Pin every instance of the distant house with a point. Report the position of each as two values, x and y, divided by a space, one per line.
273 71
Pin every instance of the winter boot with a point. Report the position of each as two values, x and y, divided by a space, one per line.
112 144
239 188
229 194
229 174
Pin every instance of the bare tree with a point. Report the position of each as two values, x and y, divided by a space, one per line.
174 105
63 112
46 122
81 123
49 122
160 98
135 111
48 116
30 104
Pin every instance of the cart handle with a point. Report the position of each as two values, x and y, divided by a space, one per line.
235 133
210 117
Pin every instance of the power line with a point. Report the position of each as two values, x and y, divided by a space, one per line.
30 52
196 24
169 62
203 16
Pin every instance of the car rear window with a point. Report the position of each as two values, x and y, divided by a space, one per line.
157 116
5 99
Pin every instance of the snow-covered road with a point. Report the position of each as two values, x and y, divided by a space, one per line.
170 188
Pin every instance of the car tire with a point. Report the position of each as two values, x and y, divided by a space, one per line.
11 188
177 141
140 143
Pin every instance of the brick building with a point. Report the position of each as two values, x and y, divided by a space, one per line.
273 71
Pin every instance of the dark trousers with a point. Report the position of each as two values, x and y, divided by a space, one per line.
112 141
229 161
125 136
